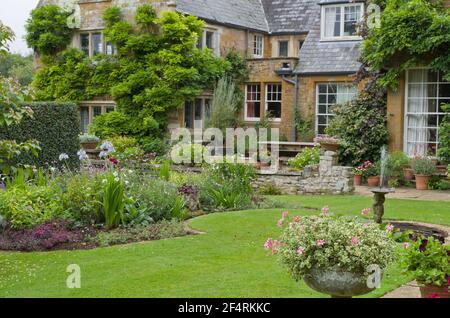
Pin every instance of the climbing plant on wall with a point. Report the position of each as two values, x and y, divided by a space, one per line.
411 33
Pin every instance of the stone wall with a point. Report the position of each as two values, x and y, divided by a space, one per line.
327 178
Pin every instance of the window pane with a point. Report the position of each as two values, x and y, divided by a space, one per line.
351 19
109 48
84 43
97 110
207 108
274 97
283 48
188 119
84 115
332 21
444 90
274 108
97 44
258 45
210 40
198 109
110 109
253 101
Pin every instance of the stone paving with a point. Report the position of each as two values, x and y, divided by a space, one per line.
410 290
409 193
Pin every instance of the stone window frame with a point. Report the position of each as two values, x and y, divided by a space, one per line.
202 41
341 37
270 100
439 115
258 46
91 33
246 117
205 100
93 106
329 104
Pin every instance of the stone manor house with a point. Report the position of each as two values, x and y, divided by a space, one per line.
302 54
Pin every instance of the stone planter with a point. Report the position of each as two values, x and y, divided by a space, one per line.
422 182
329 147
373 181
432 291
337 282
357 179
89 145
408 174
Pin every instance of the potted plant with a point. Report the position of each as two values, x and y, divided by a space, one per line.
423 168
89 142
334 255
429 261
328 143
373 174
359 173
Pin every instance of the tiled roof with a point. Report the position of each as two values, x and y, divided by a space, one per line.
243 13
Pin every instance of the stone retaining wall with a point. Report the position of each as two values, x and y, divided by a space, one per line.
325 178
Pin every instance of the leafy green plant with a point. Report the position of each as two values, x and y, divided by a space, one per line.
444 136
84 138
189 153
307 157
164 171
325 241
113 200
423 166
395 164
269 188
428 260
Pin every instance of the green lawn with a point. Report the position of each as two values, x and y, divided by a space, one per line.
227 261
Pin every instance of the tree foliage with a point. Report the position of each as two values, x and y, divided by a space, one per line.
17 67
412 33
444 137
47 30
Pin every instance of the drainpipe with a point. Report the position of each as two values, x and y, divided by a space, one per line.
295 83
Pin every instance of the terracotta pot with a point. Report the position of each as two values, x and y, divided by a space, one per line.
89 145
422 182
357 179
432 291
330 147
373 181
408 174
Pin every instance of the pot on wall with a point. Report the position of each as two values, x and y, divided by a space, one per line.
90 145
373 181
357 179
422 182
329 147
337 282
432 291
408 174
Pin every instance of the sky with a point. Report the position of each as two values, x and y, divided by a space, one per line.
14 14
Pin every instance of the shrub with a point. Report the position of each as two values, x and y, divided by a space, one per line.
189 153
307 157
269 188
56 126
88 138
50 235
158 231
428 260
423 166
395 164
361 125
154 145
24 207
324 242
444 136
111 124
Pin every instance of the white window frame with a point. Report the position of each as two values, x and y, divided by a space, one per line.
246 117
341 37
275 119
257 47
90 34
406 113
327 114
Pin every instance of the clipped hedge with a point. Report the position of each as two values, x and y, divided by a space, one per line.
56 126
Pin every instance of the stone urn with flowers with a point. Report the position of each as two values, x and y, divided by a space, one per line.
328 143
338 256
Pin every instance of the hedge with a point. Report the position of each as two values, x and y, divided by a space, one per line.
56 126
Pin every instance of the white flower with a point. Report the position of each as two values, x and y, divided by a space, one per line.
107 148
63 157
82 155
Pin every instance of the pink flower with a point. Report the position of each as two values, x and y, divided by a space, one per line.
268 245
320 243
285 215
434 296
296 219
406 245
300 250
280 222
355 240
325 210
389 228
365 211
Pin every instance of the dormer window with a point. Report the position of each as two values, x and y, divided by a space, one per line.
340 21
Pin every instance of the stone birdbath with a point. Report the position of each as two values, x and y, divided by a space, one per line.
381 191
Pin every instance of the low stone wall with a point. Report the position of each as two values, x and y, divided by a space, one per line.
326 178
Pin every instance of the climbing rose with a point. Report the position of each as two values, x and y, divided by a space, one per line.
320 243
300 250
355 240
365 211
